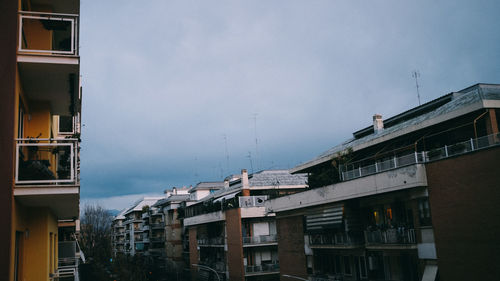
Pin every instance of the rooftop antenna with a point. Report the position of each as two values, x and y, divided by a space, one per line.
250 158
256 141
416 74
227 152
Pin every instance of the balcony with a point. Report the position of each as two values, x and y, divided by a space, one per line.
341 240
393 236
46 162
48 33
262 269
46 175
262 240
211 242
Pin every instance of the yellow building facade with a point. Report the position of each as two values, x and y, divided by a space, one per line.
40 135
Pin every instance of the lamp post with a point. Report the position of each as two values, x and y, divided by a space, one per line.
209 268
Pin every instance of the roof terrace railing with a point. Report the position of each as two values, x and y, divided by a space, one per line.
422 157
46 161
48 33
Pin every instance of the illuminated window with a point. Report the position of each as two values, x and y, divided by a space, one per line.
376 216
389 213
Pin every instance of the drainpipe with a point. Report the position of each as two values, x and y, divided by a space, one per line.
475 120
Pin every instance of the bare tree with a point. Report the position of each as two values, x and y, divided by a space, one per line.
95 234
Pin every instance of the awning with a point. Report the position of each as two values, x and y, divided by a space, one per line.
430 273
325 219
226 197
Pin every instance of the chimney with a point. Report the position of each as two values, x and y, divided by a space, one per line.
378 123
244 183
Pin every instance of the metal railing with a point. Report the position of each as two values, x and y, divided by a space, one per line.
342 238
48 33
262 239
271 267
421 157
205 241
252 201
46 161
391 236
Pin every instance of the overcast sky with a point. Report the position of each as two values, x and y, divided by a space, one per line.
167 84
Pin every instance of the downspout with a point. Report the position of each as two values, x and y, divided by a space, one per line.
477 118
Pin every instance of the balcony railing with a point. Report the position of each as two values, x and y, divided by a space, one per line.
48 33
46 161
252 201
271 267
262 239
391 236
421 157
341 239
211 241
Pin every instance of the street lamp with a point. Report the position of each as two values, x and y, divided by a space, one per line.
209 268
294 277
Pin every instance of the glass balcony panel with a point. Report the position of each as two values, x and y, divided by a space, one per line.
48 33
46 161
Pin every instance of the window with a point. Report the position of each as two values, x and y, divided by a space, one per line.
424 212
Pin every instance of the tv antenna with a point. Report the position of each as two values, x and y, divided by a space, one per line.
256 141
250 158
227 152
416 74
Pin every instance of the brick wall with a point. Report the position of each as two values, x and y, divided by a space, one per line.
193 252
234 245
291 247
464 194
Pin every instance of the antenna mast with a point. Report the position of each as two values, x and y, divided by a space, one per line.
416 74
227 152
256 141
250 158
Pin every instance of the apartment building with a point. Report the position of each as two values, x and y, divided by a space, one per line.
118 233
412 197
230 234
141 230
173 254
39 139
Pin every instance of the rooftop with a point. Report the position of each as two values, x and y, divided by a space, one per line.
146 201
441 109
